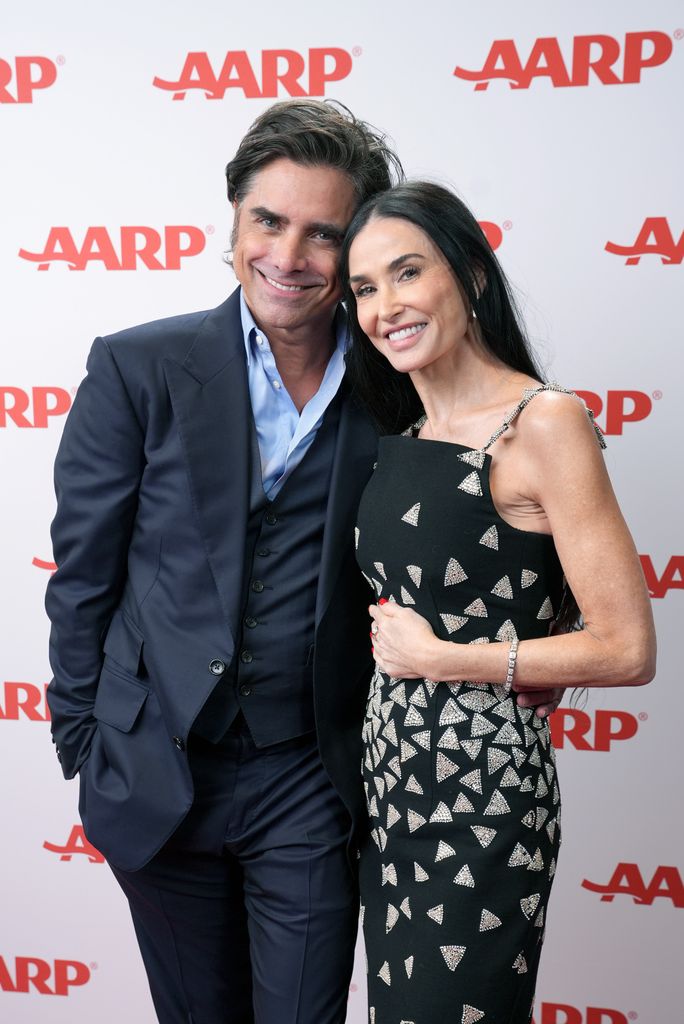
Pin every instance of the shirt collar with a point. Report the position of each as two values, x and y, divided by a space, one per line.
250 329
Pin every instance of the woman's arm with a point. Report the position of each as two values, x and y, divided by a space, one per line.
562 470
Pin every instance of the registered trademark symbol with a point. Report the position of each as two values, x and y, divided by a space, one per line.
93 966
507 225
60 60
633 1015
210 229
643 716
357 51
657 395
678 33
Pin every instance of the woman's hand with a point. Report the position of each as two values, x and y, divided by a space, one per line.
402 640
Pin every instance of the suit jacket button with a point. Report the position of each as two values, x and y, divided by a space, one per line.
258 586
179 742
217 667
245 690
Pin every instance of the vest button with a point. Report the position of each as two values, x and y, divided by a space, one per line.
217 667
250 622
246 657
245 690
179 742
271 518
257 586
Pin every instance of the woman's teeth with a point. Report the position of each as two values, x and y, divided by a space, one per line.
405 332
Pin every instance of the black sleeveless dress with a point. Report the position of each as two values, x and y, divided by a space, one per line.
460 782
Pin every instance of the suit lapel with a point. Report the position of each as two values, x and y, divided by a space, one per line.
210 397
355 452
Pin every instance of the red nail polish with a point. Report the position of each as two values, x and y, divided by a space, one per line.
383 600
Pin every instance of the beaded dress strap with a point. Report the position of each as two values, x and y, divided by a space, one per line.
528 395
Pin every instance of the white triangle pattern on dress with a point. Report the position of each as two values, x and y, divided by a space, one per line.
445 767
408 966
384 973
503 588
415 820
488 920
463 805
413 786
490 538
452 622
454 573
546 610
406 597
471 485
527 578
483 834
465 877
419 873
473 458
471 1014
411 517
416 573
444 850
436 913
441 814
392 918
477 608
380 570
452 955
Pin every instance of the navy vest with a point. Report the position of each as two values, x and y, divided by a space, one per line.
271 677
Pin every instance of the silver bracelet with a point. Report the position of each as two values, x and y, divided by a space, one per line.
512 655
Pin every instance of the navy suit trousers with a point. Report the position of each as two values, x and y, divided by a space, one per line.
248 915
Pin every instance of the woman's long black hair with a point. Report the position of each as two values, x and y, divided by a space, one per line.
389 395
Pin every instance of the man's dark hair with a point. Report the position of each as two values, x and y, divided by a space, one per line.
315 133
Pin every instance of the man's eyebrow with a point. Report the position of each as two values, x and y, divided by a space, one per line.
263 211
394 265
323 226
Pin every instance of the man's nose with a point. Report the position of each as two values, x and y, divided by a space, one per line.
289 253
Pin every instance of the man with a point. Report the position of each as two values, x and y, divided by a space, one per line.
210 633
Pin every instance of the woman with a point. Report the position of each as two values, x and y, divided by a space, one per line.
488 522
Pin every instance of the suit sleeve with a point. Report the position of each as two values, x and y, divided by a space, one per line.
97 476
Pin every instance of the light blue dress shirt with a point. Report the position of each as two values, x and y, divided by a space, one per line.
284 434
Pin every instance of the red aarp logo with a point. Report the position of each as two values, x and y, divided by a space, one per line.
561 1013
595 731
492 232
655 238
627 880
23 700
620 407
281 73
671 579
611 63
34 408
20 78
136 246
76 845
48 978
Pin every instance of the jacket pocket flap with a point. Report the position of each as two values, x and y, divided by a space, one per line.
119 700
124 642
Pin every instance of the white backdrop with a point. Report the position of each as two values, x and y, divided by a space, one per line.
569 162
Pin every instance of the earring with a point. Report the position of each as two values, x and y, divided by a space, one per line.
473 315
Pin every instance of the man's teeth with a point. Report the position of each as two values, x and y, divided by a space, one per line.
285 287
405 332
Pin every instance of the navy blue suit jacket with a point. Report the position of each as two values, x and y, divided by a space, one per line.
152 487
